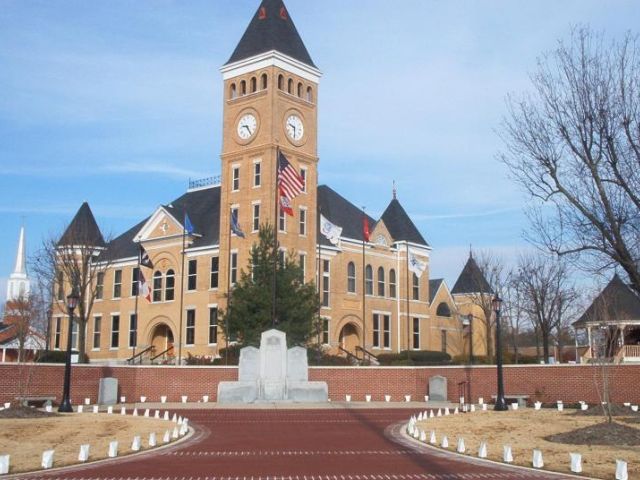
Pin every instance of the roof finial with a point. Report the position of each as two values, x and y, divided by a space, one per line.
395 191
470 250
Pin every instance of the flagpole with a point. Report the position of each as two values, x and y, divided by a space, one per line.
226 336
135 343
364 312
408 305
274 283
184 236
319 262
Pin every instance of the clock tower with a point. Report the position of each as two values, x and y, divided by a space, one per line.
269 106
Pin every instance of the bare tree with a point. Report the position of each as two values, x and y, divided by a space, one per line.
77 261
547 294
574 145
514 310
23 317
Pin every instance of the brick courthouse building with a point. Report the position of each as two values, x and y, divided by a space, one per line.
270 105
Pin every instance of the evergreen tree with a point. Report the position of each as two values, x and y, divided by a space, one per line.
250 310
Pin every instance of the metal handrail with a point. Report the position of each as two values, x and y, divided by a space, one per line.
162 353
139 354
366 352
349 354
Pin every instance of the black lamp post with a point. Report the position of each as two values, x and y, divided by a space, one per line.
65 405
468 323
501 405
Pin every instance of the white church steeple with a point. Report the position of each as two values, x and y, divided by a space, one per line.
19 285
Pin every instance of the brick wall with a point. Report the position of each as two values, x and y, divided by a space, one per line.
547 383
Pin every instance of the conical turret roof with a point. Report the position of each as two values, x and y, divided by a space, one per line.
400 226
615 303
471 280
271 28
83 230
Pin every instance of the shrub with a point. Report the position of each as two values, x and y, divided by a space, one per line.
418 358
234 355
199 360
57 356
322 358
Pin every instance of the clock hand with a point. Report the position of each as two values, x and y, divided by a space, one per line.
248 129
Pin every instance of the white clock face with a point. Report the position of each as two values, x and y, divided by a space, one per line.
295 128
247 126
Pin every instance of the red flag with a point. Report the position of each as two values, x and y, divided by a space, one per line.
145 291
365 229
285 204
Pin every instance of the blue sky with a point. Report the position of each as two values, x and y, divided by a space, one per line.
119 103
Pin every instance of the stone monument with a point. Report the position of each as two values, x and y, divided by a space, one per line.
438 388
272 374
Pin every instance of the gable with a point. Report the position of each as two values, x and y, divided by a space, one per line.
160 225
380 236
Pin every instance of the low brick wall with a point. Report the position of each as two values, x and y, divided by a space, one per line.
546 383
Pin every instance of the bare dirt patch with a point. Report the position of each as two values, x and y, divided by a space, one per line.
526 430
25 412
26 438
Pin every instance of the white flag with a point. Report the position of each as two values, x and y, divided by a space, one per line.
416 265
329 230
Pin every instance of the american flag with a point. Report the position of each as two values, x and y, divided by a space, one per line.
290 182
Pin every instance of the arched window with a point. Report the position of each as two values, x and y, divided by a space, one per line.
290 86
443 310
254 85
280 82
368 280
157 287
392 283
300 90
233 93
309 94
263 81
243 87
170 286
381 282
351 277
416 287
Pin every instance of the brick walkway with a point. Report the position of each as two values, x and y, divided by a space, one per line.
349 444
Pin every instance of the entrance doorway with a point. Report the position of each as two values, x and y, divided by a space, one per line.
162 340
349 338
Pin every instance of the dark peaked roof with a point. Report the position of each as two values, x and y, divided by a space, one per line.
83 230
271 28
616 302
203 208
471 280
434 285
400 225
340 211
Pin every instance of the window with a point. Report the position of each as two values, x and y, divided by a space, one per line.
368 280
56 337
386 324
263 81
213 325
191 327
97 331
117 283
192 278
290 86
381 282
280 82
235 175
309 94
60 282
74 335
157 287
234 268
135 273
303 221
115 331
443 341
233 93
257 174
243 87
416 334
281 257
392 283
303 175
416 287
99 286
254 84
133 330
325 331
381 330
302 261
443 310
325 282
300 90
282 221
351 277
256 217
215 268
170 286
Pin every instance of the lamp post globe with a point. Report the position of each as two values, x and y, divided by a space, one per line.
501 404
65 405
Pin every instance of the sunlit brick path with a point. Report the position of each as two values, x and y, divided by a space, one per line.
337 444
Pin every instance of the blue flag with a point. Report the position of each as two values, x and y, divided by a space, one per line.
235 227
188 226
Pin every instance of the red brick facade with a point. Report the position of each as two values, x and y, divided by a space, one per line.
547 383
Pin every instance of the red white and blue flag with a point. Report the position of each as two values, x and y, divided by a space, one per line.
290 183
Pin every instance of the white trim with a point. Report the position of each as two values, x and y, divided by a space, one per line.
272 58
152 223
